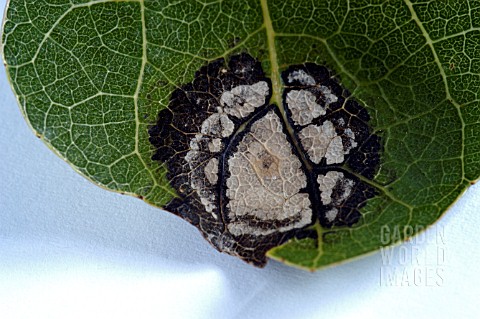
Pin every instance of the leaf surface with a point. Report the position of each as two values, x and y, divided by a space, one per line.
91 78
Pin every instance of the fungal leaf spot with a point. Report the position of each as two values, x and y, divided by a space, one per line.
251 175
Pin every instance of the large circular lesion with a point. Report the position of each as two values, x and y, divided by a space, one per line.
238 166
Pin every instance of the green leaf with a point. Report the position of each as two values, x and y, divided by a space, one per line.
92 77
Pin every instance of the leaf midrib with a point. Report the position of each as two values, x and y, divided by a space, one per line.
272 51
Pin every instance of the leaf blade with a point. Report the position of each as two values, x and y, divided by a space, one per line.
91 86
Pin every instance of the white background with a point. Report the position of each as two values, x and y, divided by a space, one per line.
69 249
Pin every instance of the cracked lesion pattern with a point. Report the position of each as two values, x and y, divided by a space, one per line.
263 188
238 167
322 142
303 106
242 100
